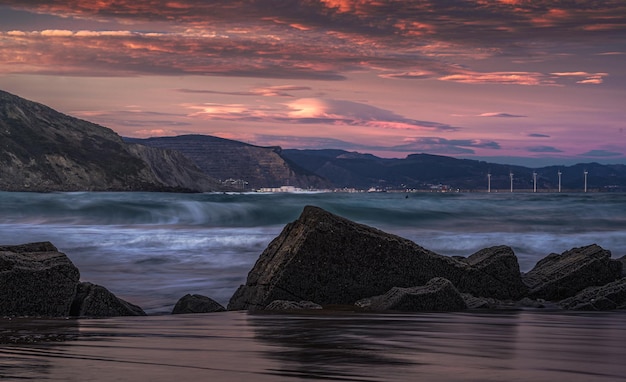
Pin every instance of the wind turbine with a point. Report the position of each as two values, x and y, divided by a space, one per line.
585 172
489 182
559 180
511 176
534 181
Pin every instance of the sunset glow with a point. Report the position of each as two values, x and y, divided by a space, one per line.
531 82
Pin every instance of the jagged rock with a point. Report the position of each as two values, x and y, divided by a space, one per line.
623 261
494 304
282 305
606 297
438 295
195 303
556 277
327 259
36 280
96 301
499 269
473 302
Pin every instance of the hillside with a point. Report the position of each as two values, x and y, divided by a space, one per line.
424 171
44 150
245 166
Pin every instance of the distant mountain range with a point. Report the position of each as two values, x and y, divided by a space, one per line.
255 167
424 171
44 150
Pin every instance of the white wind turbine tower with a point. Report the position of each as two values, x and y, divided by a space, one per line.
511 176
559 180
586 172
534 181
489 182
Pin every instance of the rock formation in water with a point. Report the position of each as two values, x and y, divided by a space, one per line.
195 303
557 277
44 150
438 295
38 280
606 297
96 301
327 259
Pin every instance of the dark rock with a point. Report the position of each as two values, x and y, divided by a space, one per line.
96 301
560 276
494 304
606 297
623 261
438 295
473 302
327 259
195 303
36 280
284 305
493 269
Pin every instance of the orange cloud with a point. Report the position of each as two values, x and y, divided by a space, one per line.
551 17
319 39
315 111
514 78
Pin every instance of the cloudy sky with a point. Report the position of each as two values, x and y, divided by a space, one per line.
513 81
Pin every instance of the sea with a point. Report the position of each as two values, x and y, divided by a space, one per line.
153 248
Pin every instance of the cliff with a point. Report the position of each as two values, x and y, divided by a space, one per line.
44 150
243 165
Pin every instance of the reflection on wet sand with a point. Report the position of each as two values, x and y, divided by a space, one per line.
384 347
236 346
447 347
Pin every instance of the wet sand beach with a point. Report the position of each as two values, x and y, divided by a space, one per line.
342 346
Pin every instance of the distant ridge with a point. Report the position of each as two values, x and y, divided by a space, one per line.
425 171
246 166
44 150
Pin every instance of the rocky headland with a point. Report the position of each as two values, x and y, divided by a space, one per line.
325 262
43 150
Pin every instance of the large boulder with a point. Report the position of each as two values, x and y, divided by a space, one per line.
557 277
195 303
491 270
327 259
438 295
36 280
607 297
96 301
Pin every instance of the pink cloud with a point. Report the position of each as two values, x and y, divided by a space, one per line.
501 115
316 111
585 78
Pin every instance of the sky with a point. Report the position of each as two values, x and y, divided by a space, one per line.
508 81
